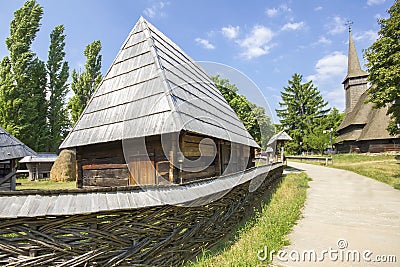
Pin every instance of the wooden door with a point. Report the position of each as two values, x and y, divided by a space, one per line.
141 170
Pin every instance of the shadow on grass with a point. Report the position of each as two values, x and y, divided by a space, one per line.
248 221
292 169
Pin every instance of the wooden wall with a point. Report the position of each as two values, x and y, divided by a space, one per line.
183 158
7 175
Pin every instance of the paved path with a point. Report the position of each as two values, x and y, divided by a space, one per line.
362 213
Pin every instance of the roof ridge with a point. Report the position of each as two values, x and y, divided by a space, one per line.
167 87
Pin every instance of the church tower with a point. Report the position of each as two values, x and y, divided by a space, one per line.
355 83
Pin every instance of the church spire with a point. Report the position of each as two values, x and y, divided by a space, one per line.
353 64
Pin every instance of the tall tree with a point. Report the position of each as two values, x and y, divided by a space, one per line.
254 119
23 79
84 84
383 64
301 105
57 87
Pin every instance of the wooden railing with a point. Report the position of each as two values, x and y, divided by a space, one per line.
325 160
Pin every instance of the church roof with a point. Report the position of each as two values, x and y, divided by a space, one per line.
153 87
12 148
364 123
353 64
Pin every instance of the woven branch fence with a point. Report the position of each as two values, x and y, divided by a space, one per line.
155 236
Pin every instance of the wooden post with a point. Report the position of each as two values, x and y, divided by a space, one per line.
282 152
13 179
218 165
79 171
171 166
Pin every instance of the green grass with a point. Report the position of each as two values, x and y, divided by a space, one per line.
25 184
267 228
381 167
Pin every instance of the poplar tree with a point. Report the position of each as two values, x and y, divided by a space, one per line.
23 80
84 84
57 87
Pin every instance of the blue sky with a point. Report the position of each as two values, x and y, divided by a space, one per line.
268 41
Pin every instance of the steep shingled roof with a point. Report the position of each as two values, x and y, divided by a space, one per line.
152 88
281 136
353 64
372 122
12 148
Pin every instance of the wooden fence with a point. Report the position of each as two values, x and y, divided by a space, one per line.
163 235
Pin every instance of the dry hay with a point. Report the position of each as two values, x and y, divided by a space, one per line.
64 168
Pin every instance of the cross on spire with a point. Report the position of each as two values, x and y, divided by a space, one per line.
348 24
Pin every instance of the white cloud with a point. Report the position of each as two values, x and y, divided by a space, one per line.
205 43
271 12
330 66
257 43
366 35
285 8
324 41
230 32
329 73
155 9
336 25
293 26
375 2
318 8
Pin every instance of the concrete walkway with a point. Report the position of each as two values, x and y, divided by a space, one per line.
346 215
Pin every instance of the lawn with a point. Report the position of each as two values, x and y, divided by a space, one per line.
268 228
384 168
381 167
24 184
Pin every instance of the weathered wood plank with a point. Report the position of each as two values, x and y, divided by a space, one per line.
105 182
104 166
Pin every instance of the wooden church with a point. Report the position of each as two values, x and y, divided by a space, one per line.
363 128
157 118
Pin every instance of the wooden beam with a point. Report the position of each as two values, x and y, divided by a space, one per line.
104 166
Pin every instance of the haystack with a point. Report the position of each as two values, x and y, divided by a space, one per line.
64 168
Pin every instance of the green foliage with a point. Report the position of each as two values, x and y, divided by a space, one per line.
84 84
323 129
58 73
23 80
302 108
254 119
383 64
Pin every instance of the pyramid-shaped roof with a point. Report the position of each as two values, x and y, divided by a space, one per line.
12 148
281 136
152 88
353 63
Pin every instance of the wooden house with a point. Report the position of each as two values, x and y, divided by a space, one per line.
157 118
11 150
364 127
38 166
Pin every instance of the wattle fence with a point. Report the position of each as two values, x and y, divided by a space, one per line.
121 227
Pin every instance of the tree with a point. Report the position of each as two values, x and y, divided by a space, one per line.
253 117
302 104
57 87
84 84
383 64
323 129
23 79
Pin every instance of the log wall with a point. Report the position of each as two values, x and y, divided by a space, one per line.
200 157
